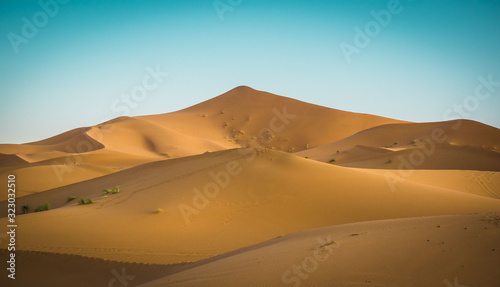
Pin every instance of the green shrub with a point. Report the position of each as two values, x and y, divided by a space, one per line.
70 198
332 160
43 207
85 201
26 209
106 191
389 161
115 190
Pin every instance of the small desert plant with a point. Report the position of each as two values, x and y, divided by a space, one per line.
221 112
85 201
45 206
70 198
115 190
389 160
332 160
394 143
25 209
106 191
307 146
158 211
338 151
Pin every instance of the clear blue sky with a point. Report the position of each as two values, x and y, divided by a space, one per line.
73 69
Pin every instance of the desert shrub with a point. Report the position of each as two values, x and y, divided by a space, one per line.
106 191
332 160
389 160
44 207
25 209
70 198
115 190
85 201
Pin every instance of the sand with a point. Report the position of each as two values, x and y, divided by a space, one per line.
247 185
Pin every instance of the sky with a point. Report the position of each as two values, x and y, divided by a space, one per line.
67 64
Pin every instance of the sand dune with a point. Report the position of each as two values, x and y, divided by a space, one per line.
459 144
239 188
292 194
442 248
234 119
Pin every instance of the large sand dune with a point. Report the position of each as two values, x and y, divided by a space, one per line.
238 118
239 189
